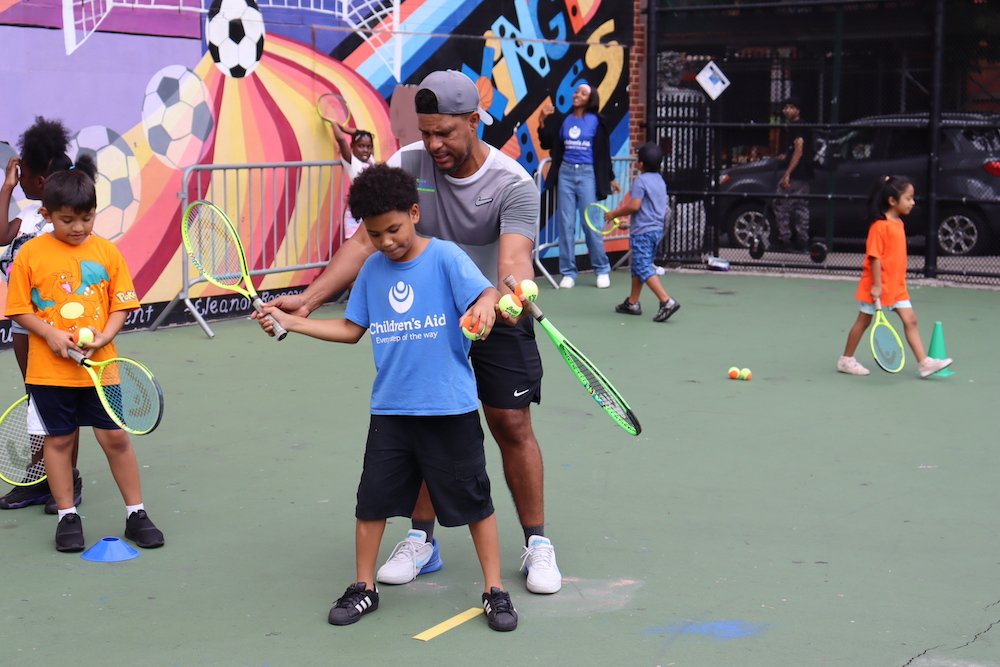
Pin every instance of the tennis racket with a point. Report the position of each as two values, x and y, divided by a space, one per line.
585 371
593 215
214 246
887 348
128 391
21 462
333 108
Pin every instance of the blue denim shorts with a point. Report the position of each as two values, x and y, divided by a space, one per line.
643 251
869 308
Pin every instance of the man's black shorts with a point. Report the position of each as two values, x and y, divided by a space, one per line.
508 367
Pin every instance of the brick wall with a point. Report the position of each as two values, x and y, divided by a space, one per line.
637 75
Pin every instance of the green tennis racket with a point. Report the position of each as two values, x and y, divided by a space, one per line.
887 348
128 391
585 371
21 462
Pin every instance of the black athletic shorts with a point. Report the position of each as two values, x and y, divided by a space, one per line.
446 452
508 367
60 410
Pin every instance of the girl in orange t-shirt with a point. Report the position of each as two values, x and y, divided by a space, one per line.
883 275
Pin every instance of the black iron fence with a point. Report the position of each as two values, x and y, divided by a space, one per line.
922 102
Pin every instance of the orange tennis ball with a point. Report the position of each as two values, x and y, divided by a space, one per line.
745 374
468 331
83 336
734 373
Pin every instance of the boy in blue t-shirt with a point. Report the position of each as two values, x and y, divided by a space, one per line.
647 204
411 296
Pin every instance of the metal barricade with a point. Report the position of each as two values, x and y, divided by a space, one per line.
546 227
289 216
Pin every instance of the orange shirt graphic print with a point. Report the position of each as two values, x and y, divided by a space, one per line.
72 299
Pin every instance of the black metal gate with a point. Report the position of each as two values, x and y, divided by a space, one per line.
909 87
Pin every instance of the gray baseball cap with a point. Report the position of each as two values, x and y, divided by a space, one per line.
456 94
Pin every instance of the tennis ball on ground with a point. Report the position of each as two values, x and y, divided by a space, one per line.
734 373
510 305
527 290
83 336
745 374
468 331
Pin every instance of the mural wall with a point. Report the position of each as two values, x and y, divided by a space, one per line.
153 87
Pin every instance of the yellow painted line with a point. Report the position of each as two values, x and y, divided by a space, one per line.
452 622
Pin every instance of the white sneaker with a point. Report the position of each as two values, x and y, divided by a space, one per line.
539 562
929 366
407 559
851 366
603 281
566 283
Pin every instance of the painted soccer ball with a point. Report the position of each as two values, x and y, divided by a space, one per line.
177 116
118 178
235 36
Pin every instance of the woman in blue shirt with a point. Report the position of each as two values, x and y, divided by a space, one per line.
580 174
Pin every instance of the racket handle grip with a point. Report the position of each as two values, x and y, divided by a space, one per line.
279 331
530 305
76 355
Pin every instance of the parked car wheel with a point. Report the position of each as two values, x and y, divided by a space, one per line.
748 221
962 232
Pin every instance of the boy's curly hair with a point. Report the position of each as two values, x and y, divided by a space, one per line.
380 189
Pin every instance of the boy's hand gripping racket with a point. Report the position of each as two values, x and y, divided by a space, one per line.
585 371
216 250
593 215
128 391
887 348
21 462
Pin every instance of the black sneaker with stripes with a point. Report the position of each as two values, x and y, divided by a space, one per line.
500 612
356 601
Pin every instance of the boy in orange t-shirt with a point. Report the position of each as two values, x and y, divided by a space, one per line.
60 282
883 275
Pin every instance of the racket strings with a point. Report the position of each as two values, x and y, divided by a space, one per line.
21 459
886 348
599 388
132 395
212 247
333 108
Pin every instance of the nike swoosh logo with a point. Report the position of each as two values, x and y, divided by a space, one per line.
520 393
480 201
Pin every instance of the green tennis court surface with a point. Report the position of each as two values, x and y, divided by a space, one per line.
803 518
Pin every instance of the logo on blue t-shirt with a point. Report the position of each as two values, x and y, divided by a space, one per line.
401 297
574 132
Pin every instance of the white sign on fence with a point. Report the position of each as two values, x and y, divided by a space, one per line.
712 80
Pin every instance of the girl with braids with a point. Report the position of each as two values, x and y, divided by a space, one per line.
43 152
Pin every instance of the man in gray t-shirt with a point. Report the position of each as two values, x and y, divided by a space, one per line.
483 200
